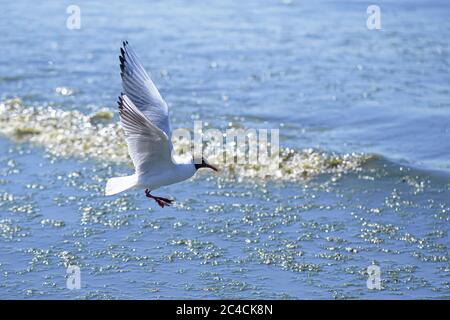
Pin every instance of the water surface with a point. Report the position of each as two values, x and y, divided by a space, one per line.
373 106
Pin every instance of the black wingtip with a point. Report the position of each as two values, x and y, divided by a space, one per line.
122 63
120 101
122 59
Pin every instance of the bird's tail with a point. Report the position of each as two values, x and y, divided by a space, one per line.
119 184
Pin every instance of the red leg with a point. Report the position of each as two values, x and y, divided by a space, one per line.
159 200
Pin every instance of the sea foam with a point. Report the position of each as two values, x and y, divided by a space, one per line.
98 136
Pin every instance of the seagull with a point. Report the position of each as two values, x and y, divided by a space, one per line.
144 117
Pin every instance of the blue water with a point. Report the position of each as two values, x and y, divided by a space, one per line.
311 69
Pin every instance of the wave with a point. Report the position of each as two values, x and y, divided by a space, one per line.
74 134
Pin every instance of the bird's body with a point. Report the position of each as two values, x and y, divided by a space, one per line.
144 116
175 172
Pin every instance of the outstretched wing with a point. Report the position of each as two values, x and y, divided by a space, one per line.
148 146
141 90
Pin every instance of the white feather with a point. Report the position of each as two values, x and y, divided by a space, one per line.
120 184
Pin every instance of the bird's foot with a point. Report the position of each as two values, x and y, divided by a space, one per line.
159 200
163 201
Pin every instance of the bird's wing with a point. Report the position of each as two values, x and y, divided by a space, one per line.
141 90
148 146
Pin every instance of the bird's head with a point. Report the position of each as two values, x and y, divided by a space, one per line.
203 164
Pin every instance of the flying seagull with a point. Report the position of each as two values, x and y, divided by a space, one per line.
144 117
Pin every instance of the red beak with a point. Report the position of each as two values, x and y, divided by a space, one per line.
207 165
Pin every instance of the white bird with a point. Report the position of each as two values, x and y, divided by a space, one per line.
144 117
